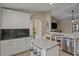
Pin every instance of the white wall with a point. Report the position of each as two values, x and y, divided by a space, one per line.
44 17
66 27
38 16
47 19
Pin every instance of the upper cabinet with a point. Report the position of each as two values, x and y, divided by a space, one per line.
0 18
15 20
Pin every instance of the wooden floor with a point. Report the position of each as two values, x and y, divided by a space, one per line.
62 53
28 53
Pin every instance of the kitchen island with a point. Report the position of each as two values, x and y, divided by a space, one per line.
44 47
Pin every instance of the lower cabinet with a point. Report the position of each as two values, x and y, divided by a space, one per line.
13 46
6 48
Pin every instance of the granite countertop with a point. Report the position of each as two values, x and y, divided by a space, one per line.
44 44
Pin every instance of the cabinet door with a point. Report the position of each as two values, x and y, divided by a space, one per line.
15 20
6 48
21 45
11 47
28 41
8 19
0 30
0 18
15 46
23 20
0 48
27 44
24 44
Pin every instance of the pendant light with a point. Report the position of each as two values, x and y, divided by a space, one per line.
72 16
73 19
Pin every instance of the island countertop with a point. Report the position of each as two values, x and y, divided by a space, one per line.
44 44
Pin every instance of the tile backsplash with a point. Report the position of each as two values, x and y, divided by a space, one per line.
14 33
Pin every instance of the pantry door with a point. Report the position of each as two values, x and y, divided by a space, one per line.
38 29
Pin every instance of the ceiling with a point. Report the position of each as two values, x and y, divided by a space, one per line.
61 11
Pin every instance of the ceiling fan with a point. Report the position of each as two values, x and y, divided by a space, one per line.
73 20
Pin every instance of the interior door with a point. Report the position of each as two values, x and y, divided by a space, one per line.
38 29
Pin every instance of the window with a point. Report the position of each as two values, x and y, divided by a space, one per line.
75 28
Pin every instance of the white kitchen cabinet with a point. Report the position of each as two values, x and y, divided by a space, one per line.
6 47
15 20
0 18
21 44
13 46
28 41
0 48
23 19
24 43
0 30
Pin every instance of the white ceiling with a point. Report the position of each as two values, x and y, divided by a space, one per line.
61 11
28 6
